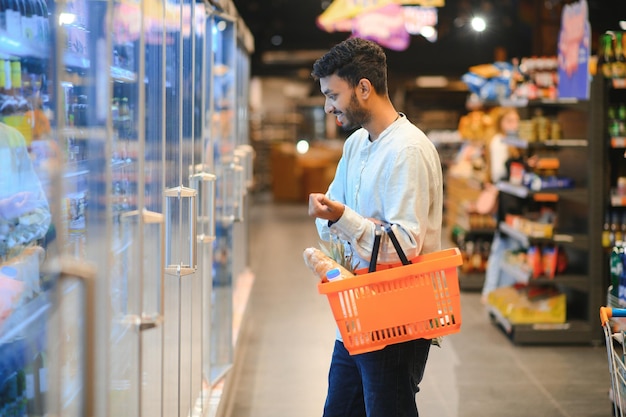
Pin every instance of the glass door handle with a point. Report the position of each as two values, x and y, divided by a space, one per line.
204 184
246 154
145 320
239 189
180 194
72 269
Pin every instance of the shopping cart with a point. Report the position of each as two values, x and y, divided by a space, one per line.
616 352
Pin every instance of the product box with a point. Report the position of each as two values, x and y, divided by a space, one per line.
523 306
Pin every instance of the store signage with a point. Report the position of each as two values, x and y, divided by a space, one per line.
573 51
384 26
387 22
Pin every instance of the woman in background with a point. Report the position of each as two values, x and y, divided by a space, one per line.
499 157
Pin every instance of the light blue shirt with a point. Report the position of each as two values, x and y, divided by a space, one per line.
396 179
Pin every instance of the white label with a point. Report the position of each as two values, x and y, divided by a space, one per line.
29 30
30 386
43 379
14 22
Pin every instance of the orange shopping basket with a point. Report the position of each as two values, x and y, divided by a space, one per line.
392 304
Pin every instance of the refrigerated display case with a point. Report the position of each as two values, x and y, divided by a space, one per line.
118 127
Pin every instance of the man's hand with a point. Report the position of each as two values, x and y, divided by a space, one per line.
322 207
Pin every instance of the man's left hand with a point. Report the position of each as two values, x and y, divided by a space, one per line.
322 207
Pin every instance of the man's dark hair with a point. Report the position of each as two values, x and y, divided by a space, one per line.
352 60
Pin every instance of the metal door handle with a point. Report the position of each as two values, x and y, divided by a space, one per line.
204 183
181 268
148 321
86 273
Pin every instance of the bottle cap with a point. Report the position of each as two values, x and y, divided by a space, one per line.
9 272
333 274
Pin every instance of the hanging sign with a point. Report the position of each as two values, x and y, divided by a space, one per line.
340 13
573 51
384 26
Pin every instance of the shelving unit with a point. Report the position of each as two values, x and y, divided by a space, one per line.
578 229
614 165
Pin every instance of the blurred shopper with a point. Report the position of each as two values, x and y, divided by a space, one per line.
389 172
499 157
24 211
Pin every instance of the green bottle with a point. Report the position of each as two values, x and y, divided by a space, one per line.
616 268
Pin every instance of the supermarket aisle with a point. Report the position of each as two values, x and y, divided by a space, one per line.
286 340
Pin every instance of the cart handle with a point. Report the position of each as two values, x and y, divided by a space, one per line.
607 312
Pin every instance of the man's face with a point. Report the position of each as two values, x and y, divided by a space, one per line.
342 101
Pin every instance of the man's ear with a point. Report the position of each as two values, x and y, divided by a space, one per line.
364 89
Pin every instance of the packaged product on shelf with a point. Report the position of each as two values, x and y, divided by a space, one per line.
534 260
10 291
529 305
549 256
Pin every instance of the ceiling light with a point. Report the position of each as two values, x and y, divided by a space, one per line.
302 146
479 24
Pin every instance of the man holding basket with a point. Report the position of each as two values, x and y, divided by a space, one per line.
390 173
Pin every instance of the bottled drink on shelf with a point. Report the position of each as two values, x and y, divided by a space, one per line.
3 78
619 64
16 77
615 267
41 8
606 56
616 230
13 16
621 119
3 17
28 21
606 231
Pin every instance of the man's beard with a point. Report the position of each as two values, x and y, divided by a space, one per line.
355 115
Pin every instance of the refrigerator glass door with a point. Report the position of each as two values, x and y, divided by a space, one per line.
182 341
28 161
221 93
97 88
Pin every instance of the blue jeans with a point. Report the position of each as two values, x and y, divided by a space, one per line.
382 383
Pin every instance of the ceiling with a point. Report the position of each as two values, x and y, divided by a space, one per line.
513 26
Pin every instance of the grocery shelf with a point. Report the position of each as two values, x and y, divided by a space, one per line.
618 142
552 143
618 83
12 47
570 332
519 236
524 102
581 222
576 240
522 191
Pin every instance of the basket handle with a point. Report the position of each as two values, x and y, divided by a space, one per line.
378 232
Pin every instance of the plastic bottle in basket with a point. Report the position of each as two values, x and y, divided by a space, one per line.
333 274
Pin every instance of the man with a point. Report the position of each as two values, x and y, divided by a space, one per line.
389 172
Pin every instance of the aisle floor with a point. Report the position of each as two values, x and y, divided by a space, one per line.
287 335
